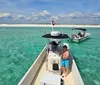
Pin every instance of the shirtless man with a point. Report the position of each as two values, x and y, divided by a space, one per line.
65 61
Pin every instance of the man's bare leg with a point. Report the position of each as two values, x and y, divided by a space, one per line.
66 71
46 65
63 70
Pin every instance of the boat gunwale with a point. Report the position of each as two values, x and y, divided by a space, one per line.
77 72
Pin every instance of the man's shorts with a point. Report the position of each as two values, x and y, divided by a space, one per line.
65 63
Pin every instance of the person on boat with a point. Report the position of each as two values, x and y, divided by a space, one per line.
75 36
83 34
53 46
80 34
65 61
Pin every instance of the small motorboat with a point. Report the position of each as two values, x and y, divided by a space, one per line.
46 70
79 34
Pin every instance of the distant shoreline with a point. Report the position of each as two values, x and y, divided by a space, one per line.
45 25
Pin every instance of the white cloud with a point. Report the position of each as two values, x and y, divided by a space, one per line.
21 17
4 15
95 15
17 17
54 17
28 18
42 14
45 16
75 14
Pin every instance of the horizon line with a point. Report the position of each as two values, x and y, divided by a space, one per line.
48 25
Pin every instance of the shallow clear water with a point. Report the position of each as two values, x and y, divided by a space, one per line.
20 46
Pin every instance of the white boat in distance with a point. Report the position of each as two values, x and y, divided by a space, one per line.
43 72
78 36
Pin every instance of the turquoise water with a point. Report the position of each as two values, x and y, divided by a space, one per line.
20 46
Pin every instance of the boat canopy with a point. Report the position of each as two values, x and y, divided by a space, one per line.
60 36
79 29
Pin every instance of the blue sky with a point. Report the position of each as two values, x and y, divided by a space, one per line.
41 11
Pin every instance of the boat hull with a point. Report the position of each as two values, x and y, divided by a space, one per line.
87 36
30 75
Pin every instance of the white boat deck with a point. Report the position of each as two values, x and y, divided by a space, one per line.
38 69
67 80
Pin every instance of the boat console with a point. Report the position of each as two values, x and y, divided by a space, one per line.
54 62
